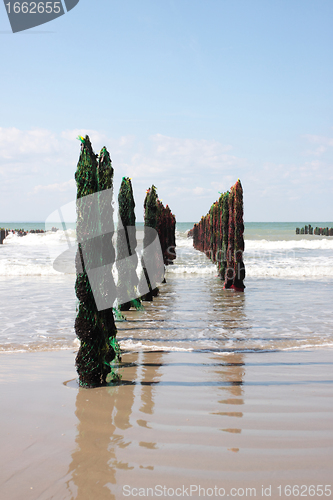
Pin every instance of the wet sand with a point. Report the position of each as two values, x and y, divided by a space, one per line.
213 421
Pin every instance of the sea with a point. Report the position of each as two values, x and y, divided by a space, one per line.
286 305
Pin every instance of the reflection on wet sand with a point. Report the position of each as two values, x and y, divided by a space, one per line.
210 416
231 309
230 420
149 374
189 417
234 374
104 416
109 416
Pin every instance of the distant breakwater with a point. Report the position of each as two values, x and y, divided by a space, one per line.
20 232
318 231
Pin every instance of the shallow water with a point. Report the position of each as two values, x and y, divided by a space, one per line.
191 313
285 306
197 314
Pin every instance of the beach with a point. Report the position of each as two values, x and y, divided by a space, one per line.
188 145
179 421
222 393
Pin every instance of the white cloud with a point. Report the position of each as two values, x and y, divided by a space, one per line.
37 172
34 154
57 187
171 156
15 143
323 144
186 193
223 184
200 191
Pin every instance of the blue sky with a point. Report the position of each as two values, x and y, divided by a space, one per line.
187 94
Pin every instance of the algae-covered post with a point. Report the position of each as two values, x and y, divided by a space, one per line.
225 234
150 221
2 235
170 252
166 229
239 239
230 271
95 329
106 282
127 260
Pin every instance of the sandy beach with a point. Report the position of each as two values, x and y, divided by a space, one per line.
185 145
179 421
222 393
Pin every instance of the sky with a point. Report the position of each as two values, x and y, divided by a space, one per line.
188 95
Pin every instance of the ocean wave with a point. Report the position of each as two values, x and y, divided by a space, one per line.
35 239
184 243
21 267
296 259
191 269
131 345
270 245
61 237
322 345
10 349
296 270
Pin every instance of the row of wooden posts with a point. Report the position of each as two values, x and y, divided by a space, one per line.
318 231
20 232
219 234
95 327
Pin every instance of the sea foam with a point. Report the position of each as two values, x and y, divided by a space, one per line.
34 254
